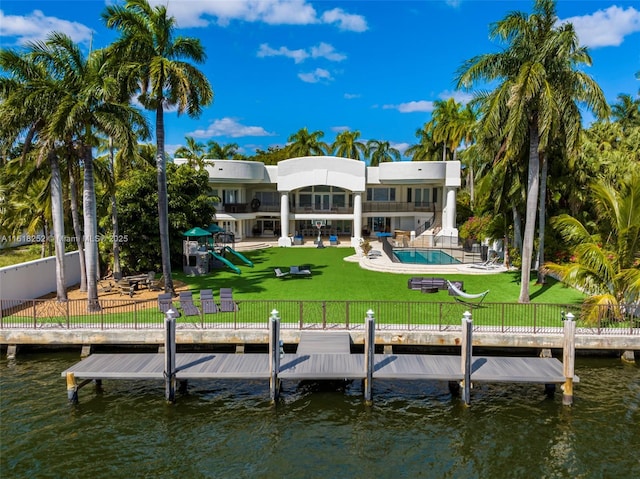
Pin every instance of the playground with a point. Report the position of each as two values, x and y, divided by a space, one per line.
205 250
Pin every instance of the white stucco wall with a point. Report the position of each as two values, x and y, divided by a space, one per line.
37 278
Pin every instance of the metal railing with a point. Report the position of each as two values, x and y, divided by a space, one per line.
299 314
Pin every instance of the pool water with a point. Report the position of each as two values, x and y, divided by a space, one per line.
431 256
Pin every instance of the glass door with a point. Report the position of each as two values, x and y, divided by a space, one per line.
321 201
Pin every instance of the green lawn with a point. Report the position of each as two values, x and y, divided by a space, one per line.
336 279
20 254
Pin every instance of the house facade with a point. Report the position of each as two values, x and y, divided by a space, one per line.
349 199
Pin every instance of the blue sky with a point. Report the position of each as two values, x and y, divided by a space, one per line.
375 66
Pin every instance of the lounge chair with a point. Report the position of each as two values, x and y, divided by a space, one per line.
207 302
227 304
124 287
296 271
165 302
457 293
281 274
186 303
333 240
491 263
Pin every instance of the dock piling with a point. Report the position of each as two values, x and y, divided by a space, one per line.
369 355
274 355
72 388
568 358
466 356
170 354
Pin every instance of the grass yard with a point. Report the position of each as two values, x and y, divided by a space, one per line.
20 254
333 278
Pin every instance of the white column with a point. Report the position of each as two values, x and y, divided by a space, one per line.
284 239
449 216
357 217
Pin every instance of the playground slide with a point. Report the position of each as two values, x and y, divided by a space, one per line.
240 256
224 260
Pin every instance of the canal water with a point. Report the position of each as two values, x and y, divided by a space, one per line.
230 430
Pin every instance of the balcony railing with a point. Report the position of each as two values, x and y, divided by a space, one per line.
368 207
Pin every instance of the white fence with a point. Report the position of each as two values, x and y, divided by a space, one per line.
37 278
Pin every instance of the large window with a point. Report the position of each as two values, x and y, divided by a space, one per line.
381 194
268 198
423 196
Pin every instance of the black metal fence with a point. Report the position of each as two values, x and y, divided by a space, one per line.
298 314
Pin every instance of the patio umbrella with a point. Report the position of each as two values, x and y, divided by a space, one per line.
214 228
196 232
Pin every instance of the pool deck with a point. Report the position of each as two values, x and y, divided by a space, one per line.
380 263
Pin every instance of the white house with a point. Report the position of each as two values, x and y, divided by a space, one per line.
353 200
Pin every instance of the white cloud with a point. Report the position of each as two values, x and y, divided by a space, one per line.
325 50
401 147
453 3
229 127
411 106
36 26
315 76
339 129
345 21
458 96
322 50
351 96
273 12
606 28
266 51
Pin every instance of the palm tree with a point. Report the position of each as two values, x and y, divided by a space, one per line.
606 260
303 143
222 152
536 99
426 149
382 152
85 109
347 145
444 125
626 111
194 153
28 94
154 58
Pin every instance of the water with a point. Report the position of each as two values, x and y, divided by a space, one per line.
229 429
417 256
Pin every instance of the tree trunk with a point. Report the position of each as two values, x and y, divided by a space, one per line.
444 152
57 214
517 229
90 231
533 187
163 201
542 212
114 214
77 231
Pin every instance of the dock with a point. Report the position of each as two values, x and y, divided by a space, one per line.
321 355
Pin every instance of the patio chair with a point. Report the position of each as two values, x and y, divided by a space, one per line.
296 271
186 303
281 274
207 302
227 304
165 302
333 240
457 293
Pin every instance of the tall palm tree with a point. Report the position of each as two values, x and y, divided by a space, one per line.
606 259
194 153
382 152
303 143
157 61
86 108
29 93
222 152
426 149
444 125
537 97
347 145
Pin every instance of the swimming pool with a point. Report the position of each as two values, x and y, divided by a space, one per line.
424 256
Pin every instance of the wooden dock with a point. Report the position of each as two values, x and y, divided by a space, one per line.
319 356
